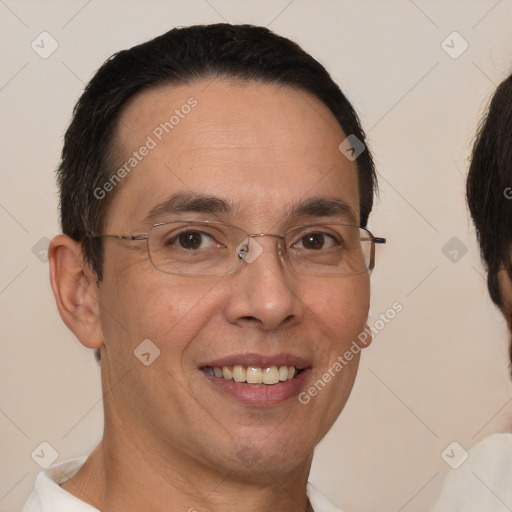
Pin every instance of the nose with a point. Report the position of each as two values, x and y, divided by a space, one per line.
264 290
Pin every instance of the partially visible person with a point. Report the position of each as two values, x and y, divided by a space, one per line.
483 483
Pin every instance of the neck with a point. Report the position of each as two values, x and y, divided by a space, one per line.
127 473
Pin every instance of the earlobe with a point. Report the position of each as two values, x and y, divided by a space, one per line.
75 290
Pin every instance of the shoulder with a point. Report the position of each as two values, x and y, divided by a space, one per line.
491 458
482 482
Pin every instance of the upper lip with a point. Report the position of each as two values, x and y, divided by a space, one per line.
259 360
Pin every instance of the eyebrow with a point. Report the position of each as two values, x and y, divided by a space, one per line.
322 207
183 202
186 202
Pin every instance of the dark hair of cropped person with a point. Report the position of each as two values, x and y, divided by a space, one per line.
489 191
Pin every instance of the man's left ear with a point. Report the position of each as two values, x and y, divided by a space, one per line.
75 290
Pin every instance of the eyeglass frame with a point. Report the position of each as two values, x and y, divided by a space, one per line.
145 236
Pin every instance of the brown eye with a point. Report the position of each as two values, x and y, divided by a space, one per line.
316 241
313 241
190 239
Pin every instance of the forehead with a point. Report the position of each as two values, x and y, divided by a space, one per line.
261 148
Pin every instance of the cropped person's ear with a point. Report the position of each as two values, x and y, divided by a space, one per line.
75 290
505 288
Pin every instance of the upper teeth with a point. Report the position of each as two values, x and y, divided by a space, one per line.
253 374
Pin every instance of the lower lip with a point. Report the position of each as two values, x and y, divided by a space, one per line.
262 395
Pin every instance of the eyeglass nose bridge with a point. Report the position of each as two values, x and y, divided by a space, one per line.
248 251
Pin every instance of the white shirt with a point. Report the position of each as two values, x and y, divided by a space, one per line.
47 496
483 483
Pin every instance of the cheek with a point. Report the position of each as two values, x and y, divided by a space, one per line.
139 304
342 305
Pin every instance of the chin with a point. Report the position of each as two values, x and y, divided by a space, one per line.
272 454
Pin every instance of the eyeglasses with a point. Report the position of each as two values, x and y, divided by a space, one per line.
210 248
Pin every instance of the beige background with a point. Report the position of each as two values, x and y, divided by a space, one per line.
437 373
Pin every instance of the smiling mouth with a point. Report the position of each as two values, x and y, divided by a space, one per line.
253 374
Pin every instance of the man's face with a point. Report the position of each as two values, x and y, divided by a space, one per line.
262 149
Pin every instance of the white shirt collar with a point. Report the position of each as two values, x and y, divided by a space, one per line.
48 496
